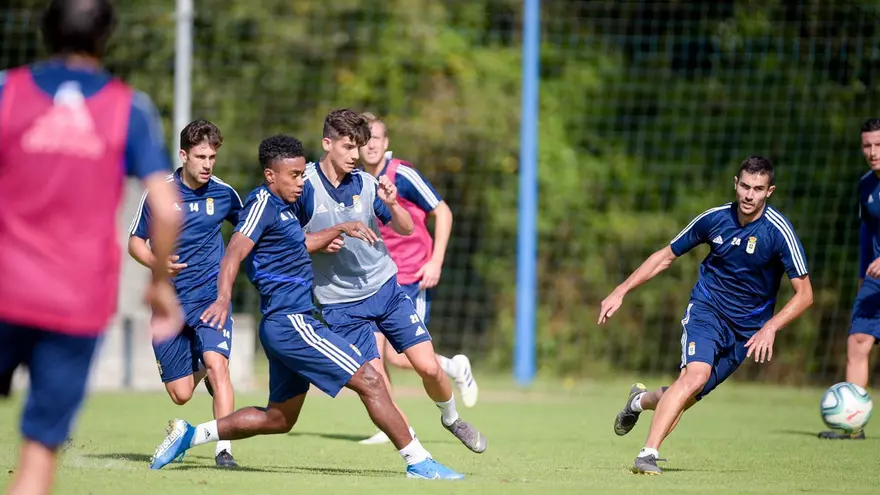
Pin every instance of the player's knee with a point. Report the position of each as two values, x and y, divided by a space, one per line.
278 423
180 396
695 380
858 346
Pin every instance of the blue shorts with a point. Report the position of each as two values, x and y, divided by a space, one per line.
58 366
389 309
866 311
421 299
179 357
302 351
707 337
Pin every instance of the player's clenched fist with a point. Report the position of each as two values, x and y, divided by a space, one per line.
387 190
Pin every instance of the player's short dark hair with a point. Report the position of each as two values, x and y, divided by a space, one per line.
347 123
279 147
871 125
757 165
78 26
199 131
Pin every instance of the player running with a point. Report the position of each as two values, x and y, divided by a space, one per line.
206 202
301 350
730 314
69 134
865 328
356 282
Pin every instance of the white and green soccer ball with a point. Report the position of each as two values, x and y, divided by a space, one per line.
846 407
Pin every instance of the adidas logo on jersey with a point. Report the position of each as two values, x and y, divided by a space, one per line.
321 209
420 331
67 128
718 240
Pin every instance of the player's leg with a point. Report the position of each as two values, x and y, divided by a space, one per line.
382 368
178 365
863 335
354 323
58 367
215 345
407 333
458 368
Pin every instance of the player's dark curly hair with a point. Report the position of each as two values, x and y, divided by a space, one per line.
200 130
279 147
78 26
871 125
757 165
347 123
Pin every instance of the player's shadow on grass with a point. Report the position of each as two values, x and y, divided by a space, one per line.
377 473
122 457
350 438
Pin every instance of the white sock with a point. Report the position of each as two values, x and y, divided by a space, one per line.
205 433
447 410
414 453
636 404
412 432
223 445
449 366
645 452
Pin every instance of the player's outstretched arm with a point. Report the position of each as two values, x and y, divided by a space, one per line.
761 344
239 247
649 269
330 240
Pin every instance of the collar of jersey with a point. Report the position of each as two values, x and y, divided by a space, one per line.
345 180
733 212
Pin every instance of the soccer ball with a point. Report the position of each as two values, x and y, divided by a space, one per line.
846 407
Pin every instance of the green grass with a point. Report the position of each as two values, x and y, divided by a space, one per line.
551 439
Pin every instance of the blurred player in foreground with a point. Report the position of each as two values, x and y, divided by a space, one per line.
206 202
69 133
355 278
730 313
864 331
301 350
418 257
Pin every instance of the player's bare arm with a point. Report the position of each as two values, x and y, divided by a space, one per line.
401 221
332 237
239 247
429 274
161 296
140 251
650 268
761 344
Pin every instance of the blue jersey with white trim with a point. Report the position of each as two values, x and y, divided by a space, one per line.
279 265
869 216
200 243
741 275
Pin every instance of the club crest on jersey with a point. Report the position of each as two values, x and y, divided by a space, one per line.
692 349
358 207
209 206
750 247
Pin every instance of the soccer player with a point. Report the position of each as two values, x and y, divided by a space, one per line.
356 282
206 202
730 314
69 134
865 327
301 350
418 257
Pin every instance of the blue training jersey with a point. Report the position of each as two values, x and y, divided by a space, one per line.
145 151
200 243
345 194
278 266
741 275
869 233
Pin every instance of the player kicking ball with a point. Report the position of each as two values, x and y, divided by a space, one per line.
206 203
865 328
356 279
300 349
730 314
418 257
